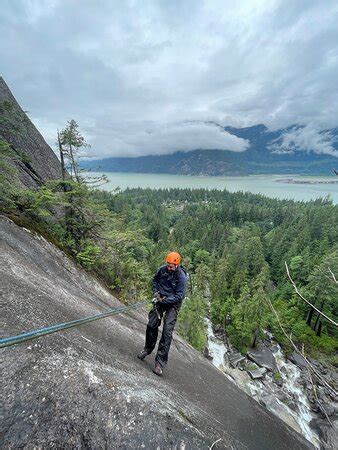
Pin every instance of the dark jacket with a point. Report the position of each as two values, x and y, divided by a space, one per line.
170 284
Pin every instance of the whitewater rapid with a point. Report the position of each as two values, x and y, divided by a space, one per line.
265 389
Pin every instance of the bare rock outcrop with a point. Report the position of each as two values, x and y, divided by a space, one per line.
39 162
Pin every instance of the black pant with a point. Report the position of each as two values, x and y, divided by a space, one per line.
155 316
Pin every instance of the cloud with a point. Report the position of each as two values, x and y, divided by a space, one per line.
169 138
122 68
308 139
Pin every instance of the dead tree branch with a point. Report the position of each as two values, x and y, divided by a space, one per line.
305 300
332 274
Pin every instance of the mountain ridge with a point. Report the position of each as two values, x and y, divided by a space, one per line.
262 157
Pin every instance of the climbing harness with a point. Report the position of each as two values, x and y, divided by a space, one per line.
6 342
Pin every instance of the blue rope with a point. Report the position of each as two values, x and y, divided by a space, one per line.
12 340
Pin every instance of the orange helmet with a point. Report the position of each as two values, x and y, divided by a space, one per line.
173 258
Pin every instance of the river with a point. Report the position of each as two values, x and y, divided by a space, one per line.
298 417
257 184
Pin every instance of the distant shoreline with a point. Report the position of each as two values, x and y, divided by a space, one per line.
295 181
224 175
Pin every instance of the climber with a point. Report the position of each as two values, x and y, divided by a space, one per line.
169 285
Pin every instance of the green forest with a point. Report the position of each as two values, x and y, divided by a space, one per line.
234 247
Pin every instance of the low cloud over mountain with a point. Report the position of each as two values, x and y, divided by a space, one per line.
306 139
170 138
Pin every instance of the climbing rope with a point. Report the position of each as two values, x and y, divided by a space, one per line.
12 340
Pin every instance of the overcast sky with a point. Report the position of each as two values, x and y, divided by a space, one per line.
143 77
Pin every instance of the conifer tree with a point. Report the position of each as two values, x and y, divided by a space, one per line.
71 140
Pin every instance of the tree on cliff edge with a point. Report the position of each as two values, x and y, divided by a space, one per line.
71 140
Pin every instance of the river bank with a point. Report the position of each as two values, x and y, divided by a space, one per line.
303 181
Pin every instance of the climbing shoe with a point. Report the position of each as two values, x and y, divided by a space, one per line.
158 369
142 354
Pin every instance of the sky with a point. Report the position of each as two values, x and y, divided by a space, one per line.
157 76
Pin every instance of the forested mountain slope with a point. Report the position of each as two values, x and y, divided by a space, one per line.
267 153
85 388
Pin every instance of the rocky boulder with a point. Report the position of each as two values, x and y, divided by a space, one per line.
235 359
327 431
298 359
257 373
206 353
263 357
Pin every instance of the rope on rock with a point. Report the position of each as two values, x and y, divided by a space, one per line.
12 340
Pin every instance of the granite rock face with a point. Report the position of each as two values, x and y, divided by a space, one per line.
40 163
85 388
